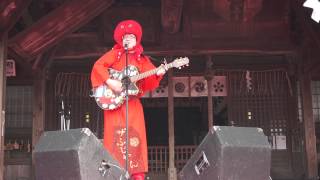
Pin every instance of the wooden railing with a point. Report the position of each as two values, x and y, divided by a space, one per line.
159 157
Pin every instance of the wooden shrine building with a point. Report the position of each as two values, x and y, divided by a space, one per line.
253 63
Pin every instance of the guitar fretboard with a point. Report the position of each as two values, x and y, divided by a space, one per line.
149 73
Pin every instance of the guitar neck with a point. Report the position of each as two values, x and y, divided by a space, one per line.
149 73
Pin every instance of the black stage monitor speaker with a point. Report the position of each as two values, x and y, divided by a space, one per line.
230 153
75 154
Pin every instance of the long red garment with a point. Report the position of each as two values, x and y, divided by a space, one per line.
114 120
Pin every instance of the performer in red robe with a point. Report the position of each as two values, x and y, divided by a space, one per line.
127 33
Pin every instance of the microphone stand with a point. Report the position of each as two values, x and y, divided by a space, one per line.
127 109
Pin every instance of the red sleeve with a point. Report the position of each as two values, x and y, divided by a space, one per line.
99 73
151 82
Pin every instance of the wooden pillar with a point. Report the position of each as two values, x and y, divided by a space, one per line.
210 104
293 106
172 171
3 57
309 127
38 108
209 78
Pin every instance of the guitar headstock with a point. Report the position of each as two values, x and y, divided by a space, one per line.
179 62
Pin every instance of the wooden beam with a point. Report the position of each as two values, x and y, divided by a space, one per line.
171 11
49 58
11 12
312 65
49 30
72 47
39 89
209 78
3 57
309 127
172 171
36 62
39 94
305 85
44 60
175 52
293 106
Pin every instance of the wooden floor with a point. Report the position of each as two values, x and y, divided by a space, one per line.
165 177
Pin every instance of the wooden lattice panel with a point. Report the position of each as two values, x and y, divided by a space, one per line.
260 99
74 90
158 157
316 100
19 103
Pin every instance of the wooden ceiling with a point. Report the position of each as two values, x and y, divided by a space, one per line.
77 29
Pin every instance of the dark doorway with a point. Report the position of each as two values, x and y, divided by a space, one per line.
188 128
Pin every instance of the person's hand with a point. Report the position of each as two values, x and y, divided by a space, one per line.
161 70
115 85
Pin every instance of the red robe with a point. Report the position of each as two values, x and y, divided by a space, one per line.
114 120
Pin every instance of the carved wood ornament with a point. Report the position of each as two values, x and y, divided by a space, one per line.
171 11
237 10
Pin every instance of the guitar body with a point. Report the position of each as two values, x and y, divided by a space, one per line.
109 100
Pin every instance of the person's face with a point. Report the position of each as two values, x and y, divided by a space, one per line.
129 40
